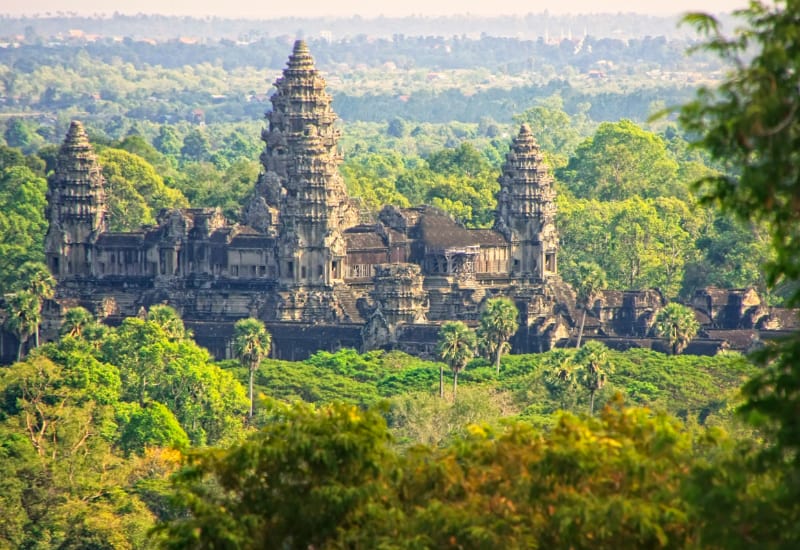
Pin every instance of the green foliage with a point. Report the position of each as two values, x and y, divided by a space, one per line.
591 279
152 425
58 443
751 124
622 160
296 483
22 222
676 323
136 192
638 243
327 478
498 323
251 343
456 347
23 315
593 369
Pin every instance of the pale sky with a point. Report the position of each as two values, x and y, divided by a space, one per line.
366 8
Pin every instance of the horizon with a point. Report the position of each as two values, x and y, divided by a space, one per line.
245 9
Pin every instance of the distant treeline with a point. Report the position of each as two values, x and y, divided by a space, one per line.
406 52
160 27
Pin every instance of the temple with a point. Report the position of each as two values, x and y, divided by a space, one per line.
320 272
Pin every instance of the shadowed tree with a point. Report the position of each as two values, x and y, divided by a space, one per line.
593 369
678 325
591 280
38 281
23 309
251 343
750 123
456 347
76 320
498 325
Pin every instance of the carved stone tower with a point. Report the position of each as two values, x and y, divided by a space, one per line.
76 207
526 210
300 196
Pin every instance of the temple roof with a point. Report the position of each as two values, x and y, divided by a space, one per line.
439 231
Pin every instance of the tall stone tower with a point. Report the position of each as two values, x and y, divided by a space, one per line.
300 196
526 210
76 207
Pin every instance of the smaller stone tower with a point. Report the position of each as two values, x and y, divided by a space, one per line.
526 210
76 207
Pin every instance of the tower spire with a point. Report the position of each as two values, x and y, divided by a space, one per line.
300 185
526 208
76 205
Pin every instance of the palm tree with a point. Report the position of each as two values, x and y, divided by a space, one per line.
593 368
560 376
498 325
251 343
592 279
456 348
41 284
75 322
24 316
168 319
678 324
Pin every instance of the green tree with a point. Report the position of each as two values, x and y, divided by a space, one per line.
456 347
167 141
621 160
136 191
750 123
169 320
591 280
196 146
36 279
23 316
22 223
57 435
155 365
153 425
676 323
251 343
498 323
593 369
560 376
76 320
296 484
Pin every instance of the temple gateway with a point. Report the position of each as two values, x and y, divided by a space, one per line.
321 274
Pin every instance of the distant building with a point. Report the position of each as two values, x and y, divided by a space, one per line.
321 273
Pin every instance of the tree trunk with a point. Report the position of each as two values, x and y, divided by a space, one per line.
441 381
580 332
455 385
252 375
591 404
497 357
36 337
20 348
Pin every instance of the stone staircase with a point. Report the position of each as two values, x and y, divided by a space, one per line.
347 299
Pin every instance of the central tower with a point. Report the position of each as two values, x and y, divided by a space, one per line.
300 196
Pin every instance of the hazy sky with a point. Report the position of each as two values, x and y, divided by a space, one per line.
367 8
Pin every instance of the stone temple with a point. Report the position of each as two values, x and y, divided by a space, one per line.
319 272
